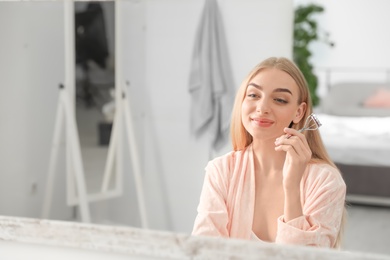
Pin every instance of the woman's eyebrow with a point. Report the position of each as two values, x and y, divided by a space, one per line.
282 90
255 85
275 90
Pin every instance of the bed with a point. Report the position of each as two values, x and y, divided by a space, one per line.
356 134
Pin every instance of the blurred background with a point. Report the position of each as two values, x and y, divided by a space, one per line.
156 51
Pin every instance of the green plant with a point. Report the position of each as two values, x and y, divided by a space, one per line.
306 31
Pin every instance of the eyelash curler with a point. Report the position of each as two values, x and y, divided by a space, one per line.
312 123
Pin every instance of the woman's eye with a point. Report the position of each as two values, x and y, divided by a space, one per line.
251 95
280 100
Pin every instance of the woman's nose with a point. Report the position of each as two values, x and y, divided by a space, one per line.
262 107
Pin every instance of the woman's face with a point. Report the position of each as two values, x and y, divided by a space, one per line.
271 104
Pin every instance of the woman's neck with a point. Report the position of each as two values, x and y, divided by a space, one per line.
267 160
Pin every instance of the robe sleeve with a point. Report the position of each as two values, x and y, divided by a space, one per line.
212 218
323 193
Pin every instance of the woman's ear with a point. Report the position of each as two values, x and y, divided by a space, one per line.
300 112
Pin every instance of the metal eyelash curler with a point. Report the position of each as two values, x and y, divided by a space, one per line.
312 123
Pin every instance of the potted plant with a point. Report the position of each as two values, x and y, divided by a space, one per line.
305 32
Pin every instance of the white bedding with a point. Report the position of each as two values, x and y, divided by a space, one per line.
356 140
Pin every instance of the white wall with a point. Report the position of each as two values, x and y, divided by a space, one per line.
31 69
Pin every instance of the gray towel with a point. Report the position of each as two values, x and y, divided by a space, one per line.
211 82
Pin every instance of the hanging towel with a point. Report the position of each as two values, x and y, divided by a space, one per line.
211 83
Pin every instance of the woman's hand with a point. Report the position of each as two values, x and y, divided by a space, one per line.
298 154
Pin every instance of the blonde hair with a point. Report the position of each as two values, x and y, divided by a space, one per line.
241 138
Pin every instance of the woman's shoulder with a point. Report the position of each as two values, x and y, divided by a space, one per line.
223 168
325 172
229 158
229 163
323 167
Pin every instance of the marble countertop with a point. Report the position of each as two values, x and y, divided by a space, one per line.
152 244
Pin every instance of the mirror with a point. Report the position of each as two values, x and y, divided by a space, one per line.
95 94
157 40
95 71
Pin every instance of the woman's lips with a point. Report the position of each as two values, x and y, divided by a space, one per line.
263 122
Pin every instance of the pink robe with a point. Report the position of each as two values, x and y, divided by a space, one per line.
227 202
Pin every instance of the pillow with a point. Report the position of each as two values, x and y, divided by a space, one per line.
380 98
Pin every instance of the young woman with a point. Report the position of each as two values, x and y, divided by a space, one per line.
278 184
